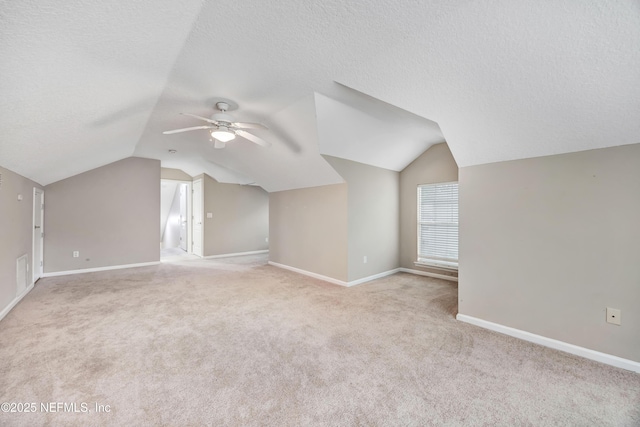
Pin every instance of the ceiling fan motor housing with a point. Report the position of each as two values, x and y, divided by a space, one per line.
222 117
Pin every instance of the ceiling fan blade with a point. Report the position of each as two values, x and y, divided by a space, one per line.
253 138
169 132
199 117
241 125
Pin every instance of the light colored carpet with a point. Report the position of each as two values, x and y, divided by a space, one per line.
175 255
238 342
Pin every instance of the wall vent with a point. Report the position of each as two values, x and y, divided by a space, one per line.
22 271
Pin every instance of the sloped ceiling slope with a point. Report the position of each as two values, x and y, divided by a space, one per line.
293 161
360 128
87 83
271 59
514 79
78 79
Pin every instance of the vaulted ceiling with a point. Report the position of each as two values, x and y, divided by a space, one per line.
85 83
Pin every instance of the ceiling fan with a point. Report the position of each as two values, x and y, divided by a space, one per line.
224 128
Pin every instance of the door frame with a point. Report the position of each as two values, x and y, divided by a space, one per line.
38 203
189 231
189 214
201 216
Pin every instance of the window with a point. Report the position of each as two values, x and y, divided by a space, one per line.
438 225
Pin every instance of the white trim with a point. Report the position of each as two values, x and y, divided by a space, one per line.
555 344
425 259
310 274
93 270
189 217
442 265
189 213
33 238
15 301
40 256
264 251
374 277
201 236
428 273
331 279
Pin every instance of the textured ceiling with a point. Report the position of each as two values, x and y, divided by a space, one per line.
78 79
360 128
85 83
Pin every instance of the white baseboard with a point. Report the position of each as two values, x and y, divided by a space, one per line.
374 277
15 301
264 251
605 358
331 279
429 274
93 270
310 274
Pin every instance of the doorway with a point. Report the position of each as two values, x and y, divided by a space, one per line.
37 257
175 220
197 217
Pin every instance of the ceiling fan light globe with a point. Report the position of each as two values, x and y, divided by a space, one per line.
223 134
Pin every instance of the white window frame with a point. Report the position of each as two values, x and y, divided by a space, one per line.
444 256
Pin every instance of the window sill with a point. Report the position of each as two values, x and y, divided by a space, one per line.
440 265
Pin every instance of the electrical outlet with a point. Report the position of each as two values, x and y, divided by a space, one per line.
76 254
266 239
614 316
364 260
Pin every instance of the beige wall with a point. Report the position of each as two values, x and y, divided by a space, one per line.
16 222
373 204
308 229
240 221
548 243
434 165
175 174
110 214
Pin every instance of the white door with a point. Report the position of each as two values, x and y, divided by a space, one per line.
38 234
197 217
183 216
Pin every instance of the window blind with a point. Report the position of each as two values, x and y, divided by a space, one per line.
438 224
